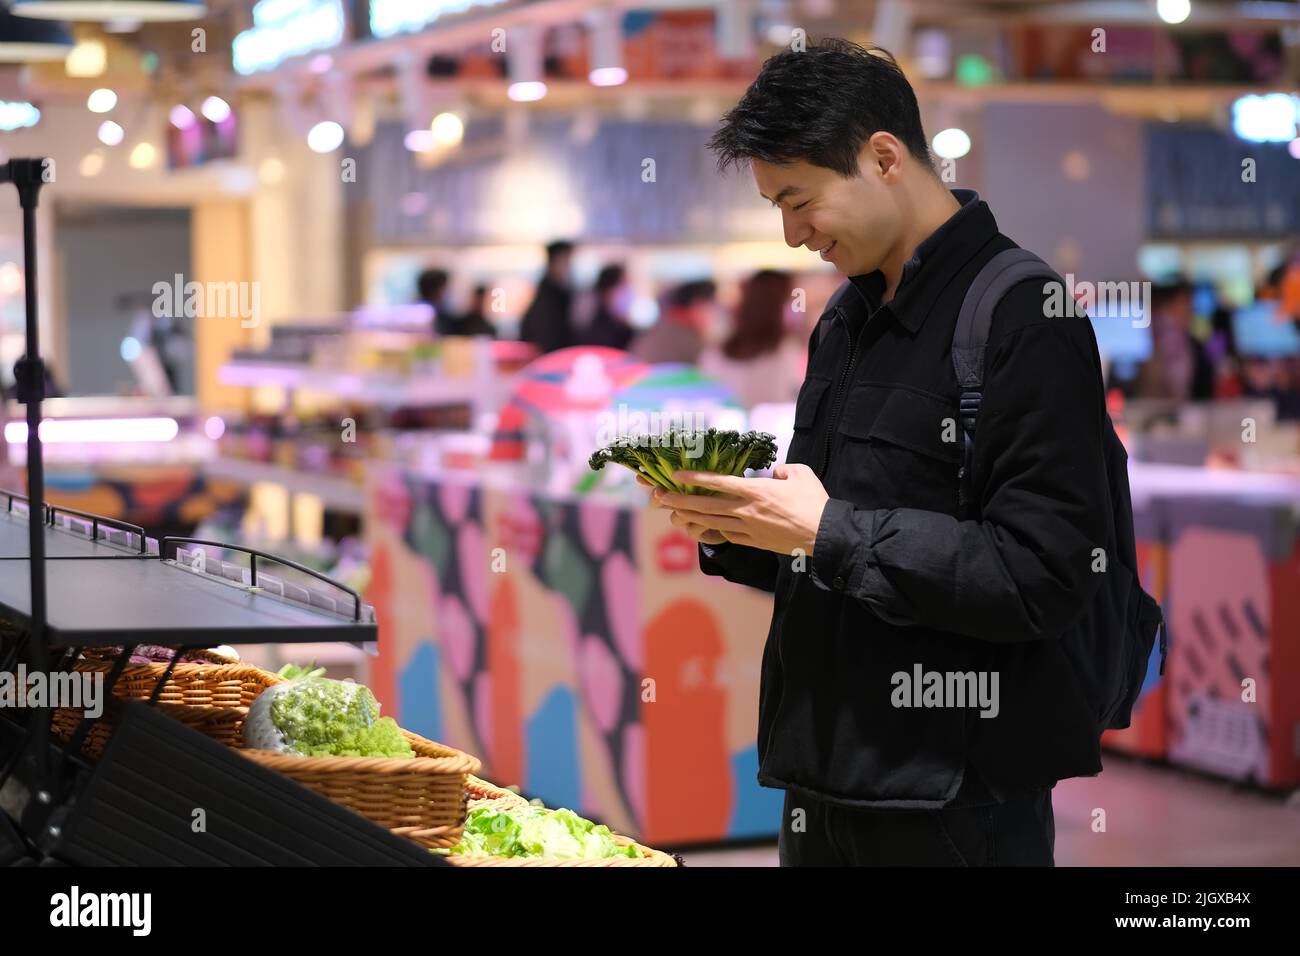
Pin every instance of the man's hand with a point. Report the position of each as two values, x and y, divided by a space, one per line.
778 514
696 532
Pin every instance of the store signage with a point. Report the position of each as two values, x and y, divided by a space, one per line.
17 115
286 28
390 17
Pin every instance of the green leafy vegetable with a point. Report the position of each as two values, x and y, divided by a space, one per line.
536 831
297 671
317 717
656 457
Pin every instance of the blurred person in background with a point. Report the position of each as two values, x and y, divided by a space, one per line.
1179 367
432 289
609 321
759 360
548 321
475 321
678 336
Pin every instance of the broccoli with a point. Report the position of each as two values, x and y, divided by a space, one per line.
725 452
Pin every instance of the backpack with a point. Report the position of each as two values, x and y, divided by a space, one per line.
1112 641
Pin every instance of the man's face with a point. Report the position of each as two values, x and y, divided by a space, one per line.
852 223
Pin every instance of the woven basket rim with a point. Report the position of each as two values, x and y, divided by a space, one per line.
451 761
193 669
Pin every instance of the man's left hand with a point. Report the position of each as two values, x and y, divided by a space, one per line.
778 514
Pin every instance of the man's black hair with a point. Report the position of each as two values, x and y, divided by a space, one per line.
688 293
610 276
431 284
558 248
820 106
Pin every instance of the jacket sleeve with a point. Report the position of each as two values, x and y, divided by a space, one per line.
741 564
1025 569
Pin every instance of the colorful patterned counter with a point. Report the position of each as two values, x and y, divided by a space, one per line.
573 645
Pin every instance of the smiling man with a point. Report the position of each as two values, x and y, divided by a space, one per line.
889 565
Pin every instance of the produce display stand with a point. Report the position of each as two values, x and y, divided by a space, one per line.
70 580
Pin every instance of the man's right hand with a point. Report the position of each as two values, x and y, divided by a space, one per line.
697 532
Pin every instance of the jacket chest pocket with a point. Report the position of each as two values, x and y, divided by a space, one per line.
898 449
808 405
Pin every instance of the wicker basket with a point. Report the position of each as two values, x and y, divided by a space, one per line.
224 724
198 685
484 794
421 798
212 699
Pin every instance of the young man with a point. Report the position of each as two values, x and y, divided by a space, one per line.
881 577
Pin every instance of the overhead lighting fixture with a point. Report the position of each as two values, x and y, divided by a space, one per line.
142 156
271 171
1270 118
18 115
526 91
96 430
951 143
32 41
110 133
606 27
101 100
1173 11
182 117
91 165
215 109
420 140
525 65
448 130
88 58
104 10
325 137
287 28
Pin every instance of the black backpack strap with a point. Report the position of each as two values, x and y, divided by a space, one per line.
970 338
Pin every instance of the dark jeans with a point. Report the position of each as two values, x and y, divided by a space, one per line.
1020 832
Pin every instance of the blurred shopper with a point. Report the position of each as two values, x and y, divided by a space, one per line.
548 321
475 321
432 288
678 336
907 569
609 321
1179 367
759 360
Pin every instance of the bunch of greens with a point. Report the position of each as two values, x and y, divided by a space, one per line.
530 830
316 717
656 457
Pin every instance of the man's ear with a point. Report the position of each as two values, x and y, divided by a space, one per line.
882 154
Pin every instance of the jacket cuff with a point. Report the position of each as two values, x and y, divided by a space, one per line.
843 545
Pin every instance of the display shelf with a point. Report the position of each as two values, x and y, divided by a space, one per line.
110 602
337 494
370 388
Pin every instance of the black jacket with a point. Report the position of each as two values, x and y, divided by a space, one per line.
899 577
548 322
607 329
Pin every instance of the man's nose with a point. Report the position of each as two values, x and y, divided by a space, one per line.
796 230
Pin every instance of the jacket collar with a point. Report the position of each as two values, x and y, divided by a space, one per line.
934 262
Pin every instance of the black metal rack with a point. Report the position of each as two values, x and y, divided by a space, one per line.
70 579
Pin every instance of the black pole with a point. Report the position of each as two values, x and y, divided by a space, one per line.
28 175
